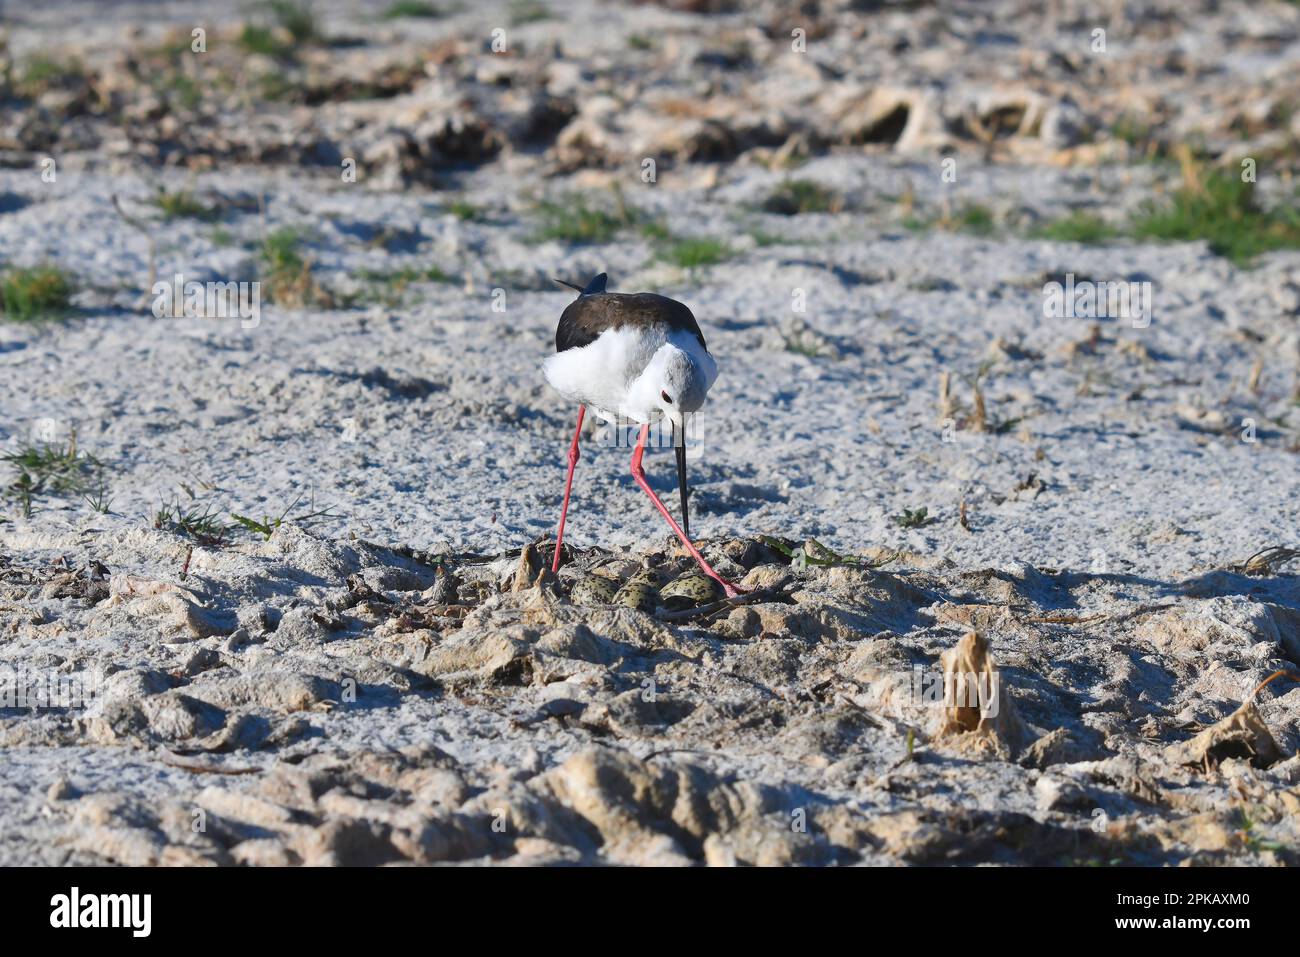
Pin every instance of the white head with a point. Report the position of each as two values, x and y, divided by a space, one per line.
674 383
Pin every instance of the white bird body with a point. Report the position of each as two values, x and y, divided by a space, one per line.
634 356
624 371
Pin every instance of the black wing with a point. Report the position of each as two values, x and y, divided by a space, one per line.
579 326
677 315
588 316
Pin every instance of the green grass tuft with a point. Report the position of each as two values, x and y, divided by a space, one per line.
182 204
35 293
695 252
296 17
414 9
1141 138
655 230
289 281
913 518
50 469
975 219
293 19
268 526
279 87
41 73
280 249
795 197
572 220
199 522
97 496
1077 228
464 210
1219 208
184 90
390 287
528 11
255 38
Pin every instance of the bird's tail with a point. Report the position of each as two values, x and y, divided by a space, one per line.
593 288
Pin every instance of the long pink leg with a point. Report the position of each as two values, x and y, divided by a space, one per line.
638 473
574 455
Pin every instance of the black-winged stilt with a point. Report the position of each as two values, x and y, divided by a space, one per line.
634 356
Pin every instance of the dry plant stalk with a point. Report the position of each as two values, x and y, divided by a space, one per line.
907 201
1242 734
1190 168
975 124
1271 678
1256 372
147 295
989 725
299 290
947 404
978 421
530 565
1266 561
781 156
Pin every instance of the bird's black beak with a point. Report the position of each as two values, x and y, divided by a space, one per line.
679 439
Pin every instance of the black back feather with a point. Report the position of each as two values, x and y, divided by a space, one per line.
591 314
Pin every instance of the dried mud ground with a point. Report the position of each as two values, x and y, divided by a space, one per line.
1111 510
385 685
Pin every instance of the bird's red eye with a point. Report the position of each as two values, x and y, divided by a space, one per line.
666 397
